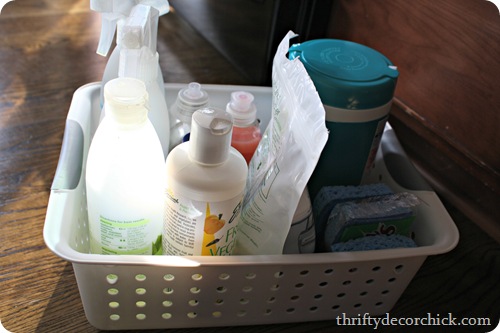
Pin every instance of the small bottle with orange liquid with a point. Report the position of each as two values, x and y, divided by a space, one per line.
246 132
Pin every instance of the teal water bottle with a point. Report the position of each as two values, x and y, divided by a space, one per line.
356 85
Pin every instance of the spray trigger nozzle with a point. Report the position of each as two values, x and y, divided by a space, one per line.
115 11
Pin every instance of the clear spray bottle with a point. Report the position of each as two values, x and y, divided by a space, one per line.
113 16
139 59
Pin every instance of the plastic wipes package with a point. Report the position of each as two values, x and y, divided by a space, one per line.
285 158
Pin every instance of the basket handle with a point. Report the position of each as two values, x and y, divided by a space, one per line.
69 167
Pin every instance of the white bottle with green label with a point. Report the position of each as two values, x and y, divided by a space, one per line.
125 175
206 180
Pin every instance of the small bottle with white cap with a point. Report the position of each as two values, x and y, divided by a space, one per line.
246 132
206 179
189 99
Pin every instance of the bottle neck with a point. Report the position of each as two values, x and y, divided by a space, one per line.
127 117
246 123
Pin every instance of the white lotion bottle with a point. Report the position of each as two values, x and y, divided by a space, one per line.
206 179
125 175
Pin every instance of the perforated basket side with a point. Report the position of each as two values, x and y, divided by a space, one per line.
148 297
146 292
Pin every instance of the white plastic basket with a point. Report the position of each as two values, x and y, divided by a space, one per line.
146 292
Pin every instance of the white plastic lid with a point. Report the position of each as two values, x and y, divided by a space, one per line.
190 99
126 99
210 137
242 108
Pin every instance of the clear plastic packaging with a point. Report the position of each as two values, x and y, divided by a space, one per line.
285 158
379 215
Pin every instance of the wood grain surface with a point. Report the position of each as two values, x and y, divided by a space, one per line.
447 54
47 51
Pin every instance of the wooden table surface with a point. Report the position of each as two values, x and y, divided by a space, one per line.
47 51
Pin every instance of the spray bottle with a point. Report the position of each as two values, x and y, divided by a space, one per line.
139 59
113 14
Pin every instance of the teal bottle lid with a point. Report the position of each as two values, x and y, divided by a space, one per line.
347 75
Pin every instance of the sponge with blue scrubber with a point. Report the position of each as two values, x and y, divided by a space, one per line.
387 215
329 196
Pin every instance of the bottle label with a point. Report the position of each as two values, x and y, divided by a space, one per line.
124 237
198 227
340 115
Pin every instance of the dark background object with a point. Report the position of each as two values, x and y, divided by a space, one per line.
247 32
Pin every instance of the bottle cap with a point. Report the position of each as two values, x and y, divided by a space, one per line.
126 99
242 108
190 99
210 137
347 75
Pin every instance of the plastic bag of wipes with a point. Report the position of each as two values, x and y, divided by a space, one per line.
285 158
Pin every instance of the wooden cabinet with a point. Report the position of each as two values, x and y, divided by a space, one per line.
447 110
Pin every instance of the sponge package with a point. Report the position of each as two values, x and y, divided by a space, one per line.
380 215
329 196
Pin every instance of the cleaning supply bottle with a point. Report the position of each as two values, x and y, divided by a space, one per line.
125 175
139 59
189 99
246 131
113 16
206 179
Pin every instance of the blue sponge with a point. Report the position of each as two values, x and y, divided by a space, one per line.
385 214
329 196
377 242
